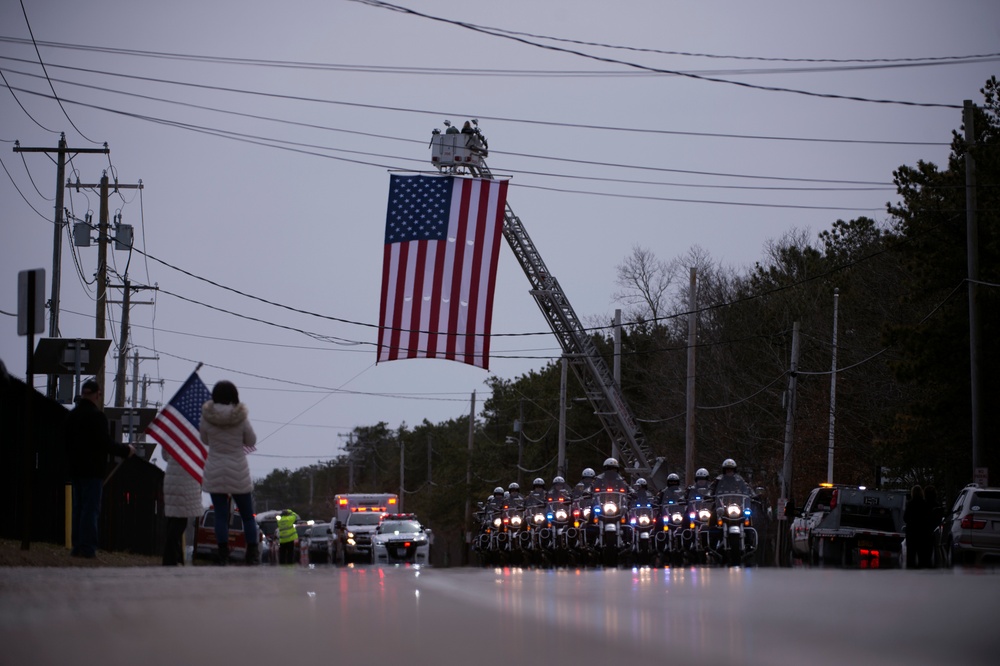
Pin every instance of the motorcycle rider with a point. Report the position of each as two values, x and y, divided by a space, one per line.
538 495
673 491
558 489
611 478
496 502
587 483
729 481
640 495
700 487
514 496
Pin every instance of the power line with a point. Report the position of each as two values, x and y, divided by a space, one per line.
490 31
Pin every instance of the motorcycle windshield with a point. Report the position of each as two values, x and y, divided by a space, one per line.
610 503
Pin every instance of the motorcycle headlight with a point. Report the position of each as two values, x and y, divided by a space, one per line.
704 515
586 512
497 522
561 515
644 520
733 511
515 521
610 508
539 518
677 518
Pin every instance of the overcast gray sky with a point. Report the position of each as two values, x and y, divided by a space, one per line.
264 134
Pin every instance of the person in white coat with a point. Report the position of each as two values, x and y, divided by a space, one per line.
181 500
227 434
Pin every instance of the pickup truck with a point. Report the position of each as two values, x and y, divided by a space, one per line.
850 526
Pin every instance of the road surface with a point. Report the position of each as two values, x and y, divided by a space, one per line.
405 616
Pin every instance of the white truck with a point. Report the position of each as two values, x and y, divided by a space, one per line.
850 526
356 519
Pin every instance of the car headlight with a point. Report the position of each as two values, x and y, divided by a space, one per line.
561 514
733 511
704 515
609 508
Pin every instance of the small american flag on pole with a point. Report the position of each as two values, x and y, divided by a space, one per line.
439 267
175 428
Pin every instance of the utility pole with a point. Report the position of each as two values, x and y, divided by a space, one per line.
520 440
402 463
833 391
972 241
120 378
102 256
617 371
61 151
468 482
689 431
782 551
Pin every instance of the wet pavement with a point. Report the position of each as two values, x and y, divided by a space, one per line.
326 615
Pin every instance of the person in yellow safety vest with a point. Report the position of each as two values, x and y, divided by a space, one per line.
287 536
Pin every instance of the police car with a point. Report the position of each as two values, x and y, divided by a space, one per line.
399 538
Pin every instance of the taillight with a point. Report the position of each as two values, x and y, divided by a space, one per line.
969 522
833 498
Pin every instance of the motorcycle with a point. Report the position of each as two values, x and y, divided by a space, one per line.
561 536
515 531
697 543
535 538
670 537
642 520
608 513
738 540
491 540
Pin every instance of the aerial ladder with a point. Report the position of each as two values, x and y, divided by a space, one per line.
465 151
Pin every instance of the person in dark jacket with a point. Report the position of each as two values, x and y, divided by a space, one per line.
89 444
916 517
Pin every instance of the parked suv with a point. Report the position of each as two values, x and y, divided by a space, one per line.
970 533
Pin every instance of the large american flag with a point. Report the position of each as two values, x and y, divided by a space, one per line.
439 267
175 428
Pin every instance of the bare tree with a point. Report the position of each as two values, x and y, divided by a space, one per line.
644 283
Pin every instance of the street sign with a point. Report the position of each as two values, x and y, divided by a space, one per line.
31 301
981 477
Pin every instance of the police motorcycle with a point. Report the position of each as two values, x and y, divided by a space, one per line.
536 536
491 541
670 529
515 526
737 540
560 537
698 519
643 522
670 540
609 514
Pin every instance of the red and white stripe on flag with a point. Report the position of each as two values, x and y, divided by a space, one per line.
175 428
439 268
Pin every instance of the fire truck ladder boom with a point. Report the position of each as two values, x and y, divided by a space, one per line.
582 354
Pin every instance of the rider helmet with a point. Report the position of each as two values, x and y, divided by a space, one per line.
498 491
558 479
611 463
702 473
640 483
673 480
538 482
514 487
728 464
588 473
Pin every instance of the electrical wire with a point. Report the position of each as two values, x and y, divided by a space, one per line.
380 4
51 86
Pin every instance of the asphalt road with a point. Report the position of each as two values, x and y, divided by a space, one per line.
405 616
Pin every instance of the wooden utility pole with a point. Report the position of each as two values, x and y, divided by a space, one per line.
689 439
104 186
972 241
61 151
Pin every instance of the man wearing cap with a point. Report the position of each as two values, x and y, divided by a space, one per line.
88 443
